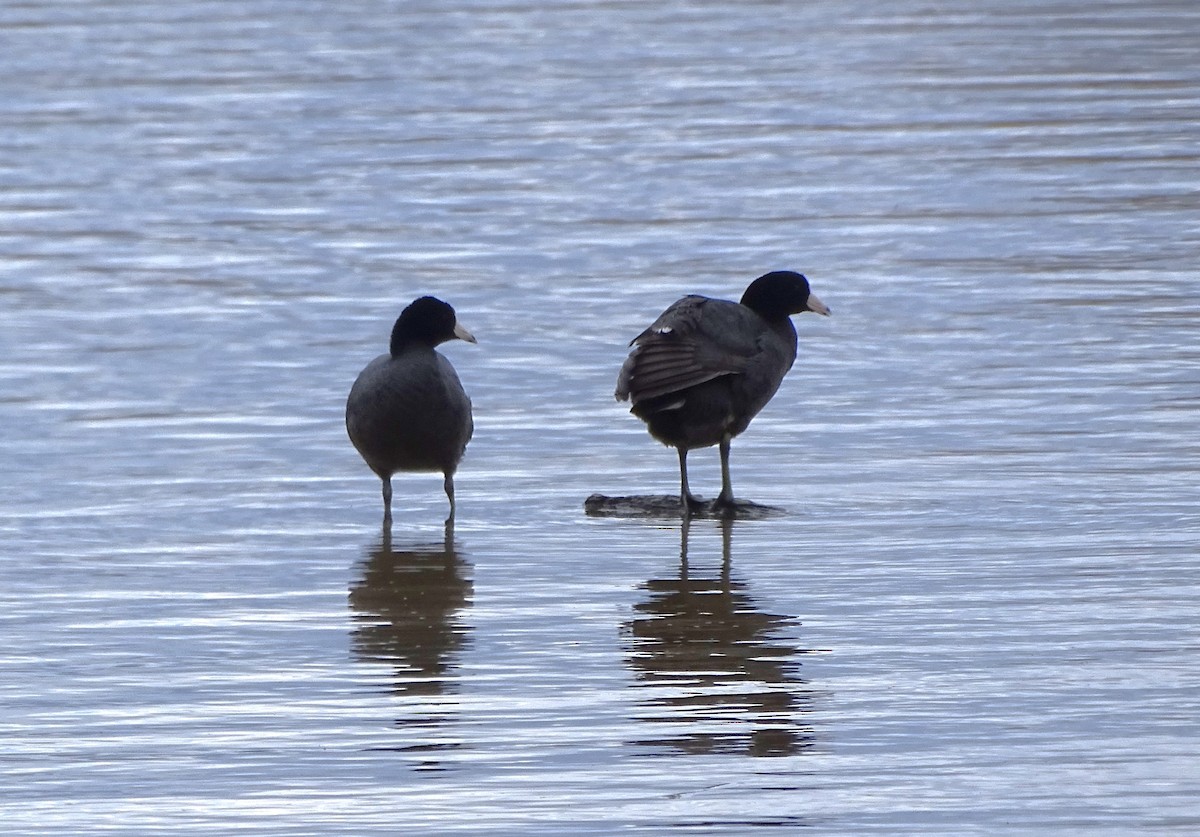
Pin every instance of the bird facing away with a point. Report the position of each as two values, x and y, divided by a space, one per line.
705 367
407 410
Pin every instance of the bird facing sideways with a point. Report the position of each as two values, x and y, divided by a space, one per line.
407 410
705 368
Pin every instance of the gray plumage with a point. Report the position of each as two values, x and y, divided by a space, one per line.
706 367
407 410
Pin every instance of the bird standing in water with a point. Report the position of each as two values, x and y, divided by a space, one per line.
705 368
407 410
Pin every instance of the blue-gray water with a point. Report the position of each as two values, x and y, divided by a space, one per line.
978 615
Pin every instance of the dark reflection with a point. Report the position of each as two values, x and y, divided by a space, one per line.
723 673
407 606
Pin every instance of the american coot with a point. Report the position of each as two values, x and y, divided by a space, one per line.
705 367
407 410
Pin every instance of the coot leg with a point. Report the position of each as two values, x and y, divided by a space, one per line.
449 484
387 499
725 498
688 500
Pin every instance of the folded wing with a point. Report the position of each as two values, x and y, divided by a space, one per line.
695 340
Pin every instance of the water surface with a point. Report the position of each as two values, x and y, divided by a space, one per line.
977 614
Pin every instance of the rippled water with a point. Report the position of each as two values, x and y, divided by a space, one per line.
978 614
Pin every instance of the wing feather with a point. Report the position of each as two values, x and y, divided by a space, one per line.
694 341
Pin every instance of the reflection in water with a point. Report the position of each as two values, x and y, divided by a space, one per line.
406 606
723 672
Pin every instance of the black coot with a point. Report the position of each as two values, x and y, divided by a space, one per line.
705 367
407 410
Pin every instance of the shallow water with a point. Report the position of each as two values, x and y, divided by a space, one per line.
977 614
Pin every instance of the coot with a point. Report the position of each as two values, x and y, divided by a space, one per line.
407 410
705 367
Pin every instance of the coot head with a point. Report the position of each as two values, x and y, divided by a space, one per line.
781 293
427 321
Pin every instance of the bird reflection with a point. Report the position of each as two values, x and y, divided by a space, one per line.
724 673
407 606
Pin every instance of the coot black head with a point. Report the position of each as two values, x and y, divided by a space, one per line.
426 321
781 293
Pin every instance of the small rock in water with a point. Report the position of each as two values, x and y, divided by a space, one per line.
668 505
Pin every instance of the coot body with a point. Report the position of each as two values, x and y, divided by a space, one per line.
706 367
407 410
